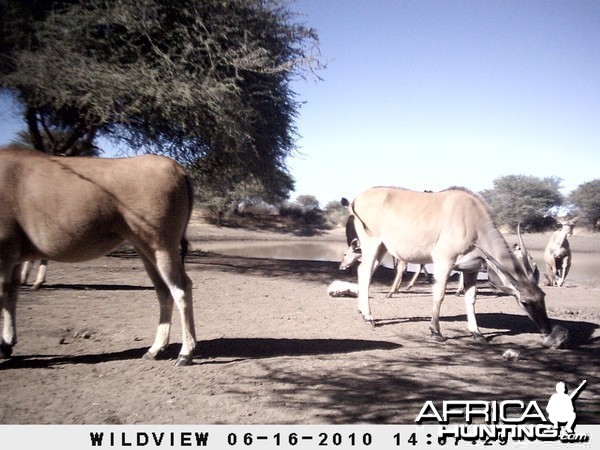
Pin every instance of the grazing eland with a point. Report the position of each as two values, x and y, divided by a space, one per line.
452 229
76 209
558 254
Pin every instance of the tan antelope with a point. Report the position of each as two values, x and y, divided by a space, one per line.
41 276
77 209
558 254
453 230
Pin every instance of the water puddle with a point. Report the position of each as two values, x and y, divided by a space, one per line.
585 267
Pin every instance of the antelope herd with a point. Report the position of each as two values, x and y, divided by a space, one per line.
76 209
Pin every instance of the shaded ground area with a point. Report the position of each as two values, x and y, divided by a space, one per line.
275 348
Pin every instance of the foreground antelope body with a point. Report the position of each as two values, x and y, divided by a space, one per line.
558 255
77 209
451 229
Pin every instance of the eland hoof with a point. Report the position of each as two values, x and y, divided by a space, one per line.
149 356
5 350
367 319
557 338
437 336
183 360
479 338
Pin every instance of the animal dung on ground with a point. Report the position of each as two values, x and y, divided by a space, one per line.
342 289
511 355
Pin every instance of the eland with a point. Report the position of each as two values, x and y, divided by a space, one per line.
76 209
557 254
452 229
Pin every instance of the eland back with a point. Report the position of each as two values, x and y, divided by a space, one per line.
77 209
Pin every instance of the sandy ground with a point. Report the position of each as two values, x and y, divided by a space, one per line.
274 348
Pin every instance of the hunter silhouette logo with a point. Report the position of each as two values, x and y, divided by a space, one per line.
502 421
560 406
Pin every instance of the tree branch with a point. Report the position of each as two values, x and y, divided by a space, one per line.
34 132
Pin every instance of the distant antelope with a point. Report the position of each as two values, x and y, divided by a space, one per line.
453 230
558 254
41 276
77 209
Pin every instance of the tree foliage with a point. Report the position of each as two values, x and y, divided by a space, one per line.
79 148
307 202
586 199
523 199
335 213
204 81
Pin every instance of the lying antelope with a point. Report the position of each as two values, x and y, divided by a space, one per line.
453 230
558 254
41 276
77 209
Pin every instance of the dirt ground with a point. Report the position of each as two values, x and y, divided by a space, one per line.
274 348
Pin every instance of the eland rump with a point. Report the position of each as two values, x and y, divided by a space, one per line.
453 230
77 209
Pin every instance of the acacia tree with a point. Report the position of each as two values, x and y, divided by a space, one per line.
523 199
586 199
193 79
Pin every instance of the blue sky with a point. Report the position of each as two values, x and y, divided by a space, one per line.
427 94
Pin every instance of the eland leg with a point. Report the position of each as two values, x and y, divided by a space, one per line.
26 271
550 275
10 281
172 286
172 271
372 256
41 278
470 288
566 266
441 272
415 277
166 302
400 269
